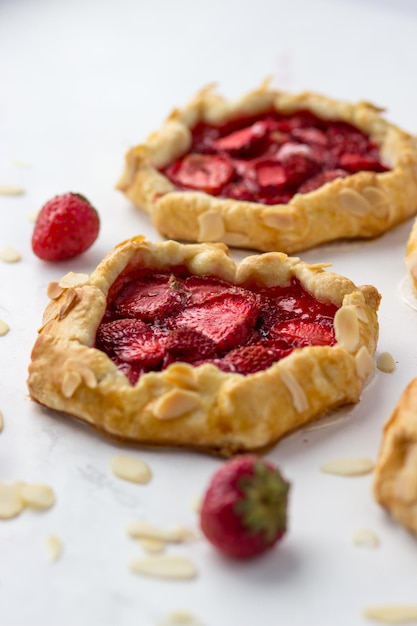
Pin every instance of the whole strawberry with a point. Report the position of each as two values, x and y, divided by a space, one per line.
66 226
244 510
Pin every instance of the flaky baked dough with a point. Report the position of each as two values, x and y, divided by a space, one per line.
395 477
362 205
411 255
201 407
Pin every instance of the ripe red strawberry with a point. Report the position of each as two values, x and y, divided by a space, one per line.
357 162
243 142
133 341
150 298
227 320
66 226
244 509
185 344
321 179
204 172
251 359
299 333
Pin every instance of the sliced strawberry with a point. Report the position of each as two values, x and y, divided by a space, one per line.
150 298
310 136
133 341
321 179
271 175
202 288
299 333
239 191
353 163
251 359
132 371
205 172
186 344
244 142
227 320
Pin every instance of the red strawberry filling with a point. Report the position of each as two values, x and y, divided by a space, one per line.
273 157
155 318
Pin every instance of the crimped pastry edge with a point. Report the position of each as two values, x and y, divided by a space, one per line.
362 205
395 475
221 412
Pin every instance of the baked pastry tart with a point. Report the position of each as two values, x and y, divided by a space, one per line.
411 255
274 171
395 476
177 345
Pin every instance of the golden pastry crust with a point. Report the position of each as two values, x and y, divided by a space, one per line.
411 255
200 407
362 205
395 477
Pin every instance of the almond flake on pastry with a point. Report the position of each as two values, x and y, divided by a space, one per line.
177 345
274 171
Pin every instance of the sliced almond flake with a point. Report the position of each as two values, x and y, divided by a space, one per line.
197 504
73 279
1 421
38 496
392 613
181 618
185 534
71 381
10 190
348 466
11 501
365 537
141 530
297 392
4 328
130 468
33 216
152 546
385 362
165 566
53 291
54 547
10 255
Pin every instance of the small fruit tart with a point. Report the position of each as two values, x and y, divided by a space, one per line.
274 171
176 344
395 475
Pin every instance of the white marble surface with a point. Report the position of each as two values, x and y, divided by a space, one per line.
81 81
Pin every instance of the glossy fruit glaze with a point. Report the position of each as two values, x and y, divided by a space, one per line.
270 158
154 318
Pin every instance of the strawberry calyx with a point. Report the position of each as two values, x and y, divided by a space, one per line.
262 509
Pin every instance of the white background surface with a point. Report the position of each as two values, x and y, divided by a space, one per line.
80 82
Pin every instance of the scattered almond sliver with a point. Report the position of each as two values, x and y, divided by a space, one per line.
164 566
392 614
16 496
39 497
348 466
143 530
131 469
181 618
33 216
4 328
1 421
10 255
365 537
54 547
385 362
10 190
11 501
152 546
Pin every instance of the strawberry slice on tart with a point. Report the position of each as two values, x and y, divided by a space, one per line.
176 344
274 171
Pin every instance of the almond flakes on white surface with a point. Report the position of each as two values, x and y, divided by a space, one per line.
54 547
164 566
365 537
181 618
152 546
10 190
4 328
385 362
1 422
8 254
131 469
348 466
393 613
16 496
144 530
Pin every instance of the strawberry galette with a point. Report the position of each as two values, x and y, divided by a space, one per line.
274 171
176 344
395 476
